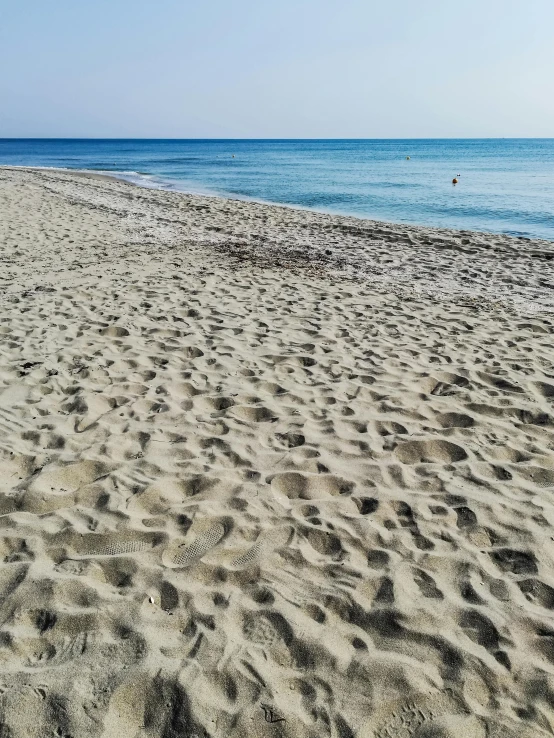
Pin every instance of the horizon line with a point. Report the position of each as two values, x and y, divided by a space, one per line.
286 138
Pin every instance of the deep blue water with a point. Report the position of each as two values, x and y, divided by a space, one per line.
505 185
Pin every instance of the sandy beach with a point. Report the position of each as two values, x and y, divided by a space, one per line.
268 472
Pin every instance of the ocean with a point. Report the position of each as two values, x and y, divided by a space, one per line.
504 185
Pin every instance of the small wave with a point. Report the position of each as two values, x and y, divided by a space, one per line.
157 182
138 178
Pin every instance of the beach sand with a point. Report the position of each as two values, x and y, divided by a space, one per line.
267 472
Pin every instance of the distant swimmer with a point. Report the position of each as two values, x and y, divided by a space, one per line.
233 156
454 181
407 157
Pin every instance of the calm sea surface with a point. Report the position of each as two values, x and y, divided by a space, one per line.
505 185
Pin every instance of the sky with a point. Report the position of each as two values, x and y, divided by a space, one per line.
287 69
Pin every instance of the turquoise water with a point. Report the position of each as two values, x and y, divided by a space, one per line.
505 185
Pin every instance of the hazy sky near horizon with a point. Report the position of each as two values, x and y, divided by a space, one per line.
262 69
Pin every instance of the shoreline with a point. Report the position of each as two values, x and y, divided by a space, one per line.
252 488
442 263
120 177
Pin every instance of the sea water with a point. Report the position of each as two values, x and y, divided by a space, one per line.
504 185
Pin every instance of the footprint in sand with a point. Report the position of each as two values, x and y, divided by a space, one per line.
416 717
266 544
48 652
114 544
181 554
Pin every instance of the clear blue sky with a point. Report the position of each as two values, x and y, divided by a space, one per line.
292 68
